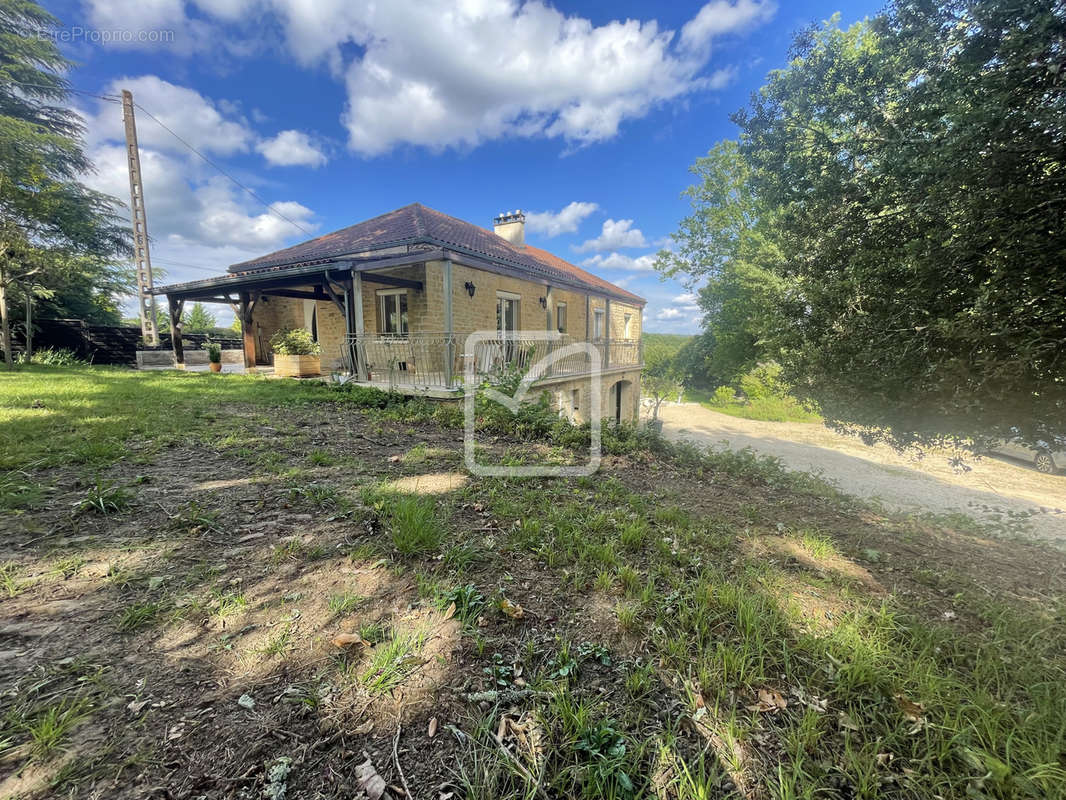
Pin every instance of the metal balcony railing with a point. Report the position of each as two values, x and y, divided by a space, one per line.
422 361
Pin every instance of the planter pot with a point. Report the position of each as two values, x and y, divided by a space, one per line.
216 366
297 366
655 426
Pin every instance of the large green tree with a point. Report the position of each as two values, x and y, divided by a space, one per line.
198 319
910 173
47 216
726 250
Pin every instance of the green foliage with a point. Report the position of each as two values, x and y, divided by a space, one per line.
49 357
104 497
469 602
137 616
214 352
198 319
413 523
761 394
294 342
46 215
889 226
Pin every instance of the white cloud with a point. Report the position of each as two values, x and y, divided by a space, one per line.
292 149
565 220
616 234
207 125
434 73
645 263
687 302
669 313
144 15
721 78
199 222
721 17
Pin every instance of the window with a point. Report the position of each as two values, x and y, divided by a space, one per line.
627 326
597 323
560 317
392 311
506 313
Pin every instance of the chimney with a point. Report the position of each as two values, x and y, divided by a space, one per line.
511 225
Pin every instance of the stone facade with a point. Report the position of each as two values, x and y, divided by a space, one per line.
427 314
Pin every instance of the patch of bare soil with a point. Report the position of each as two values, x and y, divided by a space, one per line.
234 622
244 626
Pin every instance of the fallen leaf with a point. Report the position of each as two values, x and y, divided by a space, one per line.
914 712
365 728
343 640
369 780
501 731
449 612
770 701
432 728
394 459
513 610
135 706
846 722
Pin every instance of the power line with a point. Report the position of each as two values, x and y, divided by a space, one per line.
167 263
267 205
110 98
114 99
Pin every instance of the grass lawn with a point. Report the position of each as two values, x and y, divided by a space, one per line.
224 586
764 409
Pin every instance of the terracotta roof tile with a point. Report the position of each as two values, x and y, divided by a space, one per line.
417 224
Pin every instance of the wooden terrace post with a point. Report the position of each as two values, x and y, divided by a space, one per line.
355 322
247 305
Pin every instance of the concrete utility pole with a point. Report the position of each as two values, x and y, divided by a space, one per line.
146 300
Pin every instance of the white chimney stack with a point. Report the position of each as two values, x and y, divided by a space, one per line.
511 225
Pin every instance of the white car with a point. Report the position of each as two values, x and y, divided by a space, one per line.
1046 457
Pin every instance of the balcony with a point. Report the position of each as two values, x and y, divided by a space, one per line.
436 364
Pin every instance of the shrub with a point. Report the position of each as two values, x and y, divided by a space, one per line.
294 342
416 529
48 357
214 352
724 395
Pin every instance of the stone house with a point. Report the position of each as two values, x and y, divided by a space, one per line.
393 300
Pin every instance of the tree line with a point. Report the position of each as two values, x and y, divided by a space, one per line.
888 225
62 245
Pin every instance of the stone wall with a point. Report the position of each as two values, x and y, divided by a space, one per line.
272 314
562 395
426 311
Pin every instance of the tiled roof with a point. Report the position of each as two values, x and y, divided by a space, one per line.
417 224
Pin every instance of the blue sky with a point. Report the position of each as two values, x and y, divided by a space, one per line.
586 115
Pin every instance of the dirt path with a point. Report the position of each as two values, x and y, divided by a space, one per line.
994 490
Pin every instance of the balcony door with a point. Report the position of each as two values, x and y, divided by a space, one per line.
507 325
507 315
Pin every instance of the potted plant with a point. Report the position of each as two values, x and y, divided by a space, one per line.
214 356
659 383
295 353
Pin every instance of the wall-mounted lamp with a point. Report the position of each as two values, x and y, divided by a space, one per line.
543 302
470 288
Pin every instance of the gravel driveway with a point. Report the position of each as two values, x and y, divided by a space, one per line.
993 491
